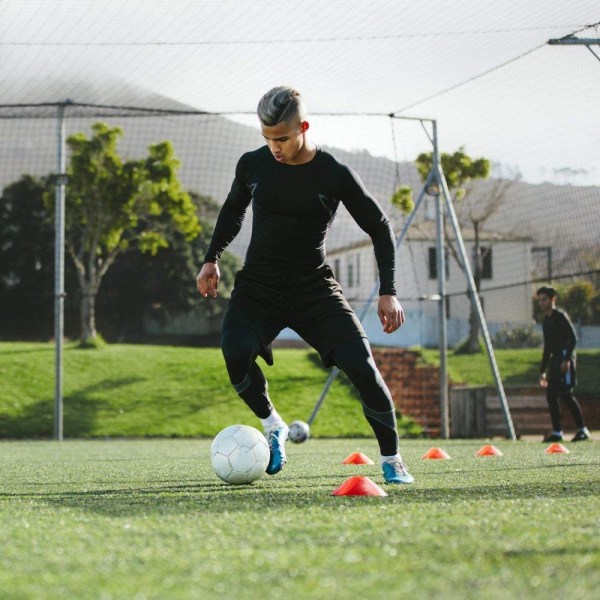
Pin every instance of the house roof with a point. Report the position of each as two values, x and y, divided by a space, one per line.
425 231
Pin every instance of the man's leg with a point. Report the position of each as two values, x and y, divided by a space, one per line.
356 360
241 347
574 407
552 394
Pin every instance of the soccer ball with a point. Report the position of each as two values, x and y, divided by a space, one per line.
299 432
239 454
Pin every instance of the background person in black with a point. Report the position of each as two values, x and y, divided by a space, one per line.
557 371
295 190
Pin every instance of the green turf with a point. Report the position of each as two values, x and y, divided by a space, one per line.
149 519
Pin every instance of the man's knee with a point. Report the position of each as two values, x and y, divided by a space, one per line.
240 348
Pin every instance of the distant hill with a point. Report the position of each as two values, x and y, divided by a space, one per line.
210 145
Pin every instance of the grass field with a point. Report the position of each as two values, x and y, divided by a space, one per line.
150 520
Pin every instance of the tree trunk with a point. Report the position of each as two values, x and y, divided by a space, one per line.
88 313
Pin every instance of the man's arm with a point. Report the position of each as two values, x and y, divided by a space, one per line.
228 225
568 340
370 217
229 222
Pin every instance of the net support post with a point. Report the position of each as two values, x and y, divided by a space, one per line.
59 271
476 303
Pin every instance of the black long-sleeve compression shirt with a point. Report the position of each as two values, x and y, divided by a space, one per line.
559 338
293 208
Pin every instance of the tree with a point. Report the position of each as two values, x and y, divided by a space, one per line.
27 265
161 286
113 205
473 206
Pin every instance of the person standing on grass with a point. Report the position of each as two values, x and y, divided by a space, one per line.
557 371
295 190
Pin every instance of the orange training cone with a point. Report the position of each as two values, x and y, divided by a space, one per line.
357 458
488 451
556 449
358 486
435 453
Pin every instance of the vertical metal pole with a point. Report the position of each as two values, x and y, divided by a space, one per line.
478 308
59 272
441 278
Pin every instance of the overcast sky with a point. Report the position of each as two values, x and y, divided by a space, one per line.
482 69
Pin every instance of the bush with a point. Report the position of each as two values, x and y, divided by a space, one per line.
517 337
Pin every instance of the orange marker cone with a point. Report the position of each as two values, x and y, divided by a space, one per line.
435 453
357 458
358 486
488 451
556 449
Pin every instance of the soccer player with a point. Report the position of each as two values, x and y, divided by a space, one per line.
295 190
557 371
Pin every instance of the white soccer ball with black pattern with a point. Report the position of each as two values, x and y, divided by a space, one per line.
239 454
299 432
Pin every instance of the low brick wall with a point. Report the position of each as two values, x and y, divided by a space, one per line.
415 388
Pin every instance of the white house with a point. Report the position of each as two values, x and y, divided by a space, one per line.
506 295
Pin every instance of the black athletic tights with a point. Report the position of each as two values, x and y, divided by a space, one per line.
241 347
554 394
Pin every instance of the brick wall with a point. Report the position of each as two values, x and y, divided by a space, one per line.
415 388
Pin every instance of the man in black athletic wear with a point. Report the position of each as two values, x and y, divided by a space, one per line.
295 189
557 371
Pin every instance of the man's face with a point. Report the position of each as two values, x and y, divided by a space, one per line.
286 142
545 303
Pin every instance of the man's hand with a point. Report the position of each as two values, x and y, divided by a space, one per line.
207 280
543 380
565 365
391 313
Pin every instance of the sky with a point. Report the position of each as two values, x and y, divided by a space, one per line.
483 71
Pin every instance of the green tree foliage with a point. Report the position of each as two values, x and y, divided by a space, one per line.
459 168
581 301
402 199
113 205
163 285
27 265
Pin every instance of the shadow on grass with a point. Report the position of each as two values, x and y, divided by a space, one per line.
214 498
36 420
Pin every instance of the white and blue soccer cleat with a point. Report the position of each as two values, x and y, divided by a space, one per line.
395 471
276 438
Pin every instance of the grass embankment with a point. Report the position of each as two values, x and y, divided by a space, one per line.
517 367
130 390
135 390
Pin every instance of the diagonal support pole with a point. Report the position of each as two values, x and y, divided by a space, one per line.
475 300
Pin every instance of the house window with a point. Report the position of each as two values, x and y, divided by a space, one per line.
337 269
486 272
357 270
486 262
350 274
432 257
541 256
